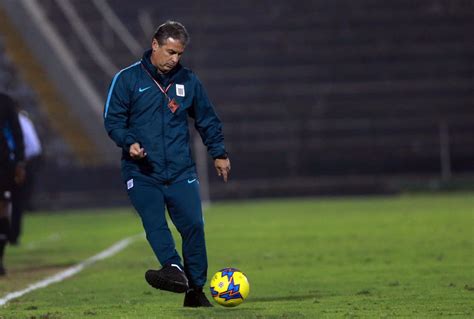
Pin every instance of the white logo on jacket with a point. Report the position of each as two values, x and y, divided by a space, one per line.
180 90
130 183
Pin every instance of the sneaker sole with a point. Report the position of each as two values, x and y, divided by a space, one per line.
159 282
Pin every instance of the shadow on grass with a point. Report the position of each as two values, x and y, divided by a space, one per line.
285 298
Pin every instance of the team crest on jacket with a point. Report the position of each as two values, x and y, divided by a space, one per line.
180 90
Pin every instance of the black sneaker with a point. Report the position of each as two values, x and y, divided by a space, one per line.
195 297
169 278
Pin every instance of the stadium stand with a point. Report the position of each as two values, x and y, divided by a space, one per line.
316 97
12 83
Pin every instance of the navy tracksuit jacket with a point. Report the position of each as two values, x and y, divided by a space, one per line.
152 109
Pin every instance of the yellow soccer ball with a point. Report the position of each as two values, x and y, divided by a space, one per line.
229 287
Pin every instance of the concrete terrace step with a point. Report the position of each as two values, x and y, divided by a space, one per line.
311 92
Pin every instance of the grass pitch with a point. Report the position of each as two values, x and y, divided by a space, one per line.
407 256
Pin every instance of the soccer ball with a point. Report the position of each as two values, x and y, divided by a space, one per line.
229 287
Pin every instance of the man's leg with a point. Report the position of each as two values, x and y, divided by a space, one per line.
21 199
18 200
4 230
6 183
184 206
147 198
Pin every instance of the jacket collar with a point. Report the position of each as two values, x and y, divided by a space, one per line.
163 79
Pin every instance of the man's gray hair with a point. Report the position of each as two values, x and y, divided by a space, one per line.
171 29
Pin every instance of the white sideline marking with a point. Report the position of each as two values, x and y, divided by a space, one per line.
60 276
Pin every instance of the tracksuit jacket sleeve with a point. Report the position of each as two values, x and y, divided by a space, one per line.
17 135
116 114
207 122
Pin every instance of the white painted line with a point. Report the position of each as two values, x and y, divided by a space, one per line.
72 270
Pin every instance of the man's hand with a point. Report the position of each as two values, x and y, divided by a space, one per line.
223 168
20 173
136 151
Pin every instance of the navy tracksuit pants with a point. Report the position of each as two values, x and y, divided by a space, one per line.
183 202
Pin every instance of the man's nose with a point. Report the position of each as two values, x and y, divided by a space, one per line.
175 58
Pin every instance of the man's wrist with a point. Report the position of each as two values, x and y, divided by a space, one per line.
222 156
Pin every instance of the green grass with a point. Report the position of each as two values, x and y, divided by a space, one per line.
408 256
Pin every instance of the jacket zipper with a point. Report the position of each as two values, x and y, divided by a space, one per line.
164 145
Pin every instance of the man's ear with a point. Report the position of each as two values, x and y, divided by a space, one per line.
154 45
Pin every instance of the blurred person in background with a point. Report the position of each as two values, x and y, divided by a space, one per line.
21 194
146 114
11 165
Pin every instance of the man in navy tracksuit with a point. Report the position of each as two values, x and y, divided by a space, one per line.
146 114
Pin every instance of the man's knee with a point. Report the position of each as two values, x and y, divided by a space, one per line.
195 226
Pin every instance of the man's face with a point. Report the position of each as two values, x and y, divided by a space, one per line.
166 56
